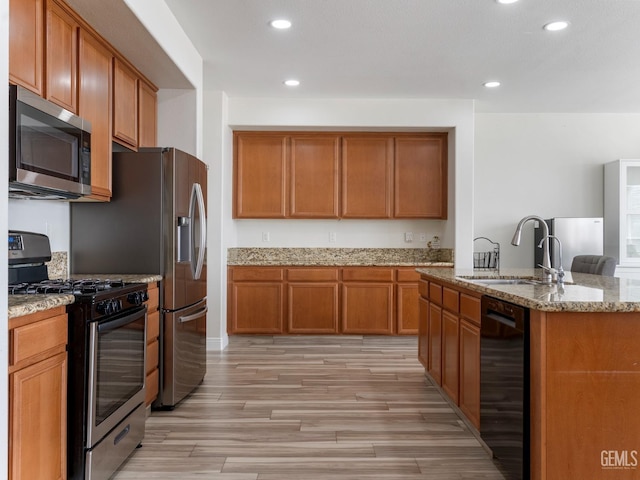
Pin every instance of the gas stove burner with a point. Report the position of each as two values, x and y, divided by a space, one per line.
70 286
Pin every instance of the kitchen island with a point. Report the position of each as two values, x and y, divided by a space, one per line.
584 363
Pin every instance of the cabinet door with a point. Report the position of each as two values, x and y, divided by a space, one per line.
256 308
61 71
38 420
469 401
367 172
314 176
367 308
435 343
423 332
125 105
260 176
94 104
26 43
420 180
407 308
148 112
450 354
313 308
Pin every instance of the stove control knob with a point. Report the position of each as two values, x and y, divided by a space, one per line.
105 308
137 298
117 305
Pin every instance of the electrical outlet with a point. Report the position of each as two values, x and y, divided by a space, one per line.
332 237
423 237
266 237
408 236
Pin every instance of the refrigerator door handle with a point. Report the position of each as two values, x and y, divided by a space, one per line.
197 199
193 316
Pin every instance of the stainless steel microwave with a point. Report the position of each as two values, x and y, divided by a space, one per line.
49 149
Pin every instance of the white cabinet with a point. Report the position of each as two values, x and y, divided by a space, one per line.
622 211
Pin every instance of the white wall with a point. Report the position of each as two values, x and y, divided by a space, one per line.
549 165
177 114
50 217
4 167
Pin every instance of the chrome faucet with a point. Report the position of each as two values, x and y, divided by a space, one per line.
547 277
558 271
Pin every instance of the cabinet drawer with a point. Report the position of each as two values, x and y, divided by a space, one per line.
408 275
367 274
153 349
35 338
256 274
470 308
435 293
450 299
313 275
153 325
153 302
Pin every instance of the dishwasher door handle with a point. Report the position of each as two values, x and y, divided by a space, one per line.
510 322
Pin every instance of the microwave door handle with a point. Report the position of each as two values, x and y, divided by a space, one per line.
197 201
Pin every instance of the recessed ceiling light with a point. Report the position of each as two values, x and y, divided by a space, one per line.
492 84
555 26
506 1
280 24
292 83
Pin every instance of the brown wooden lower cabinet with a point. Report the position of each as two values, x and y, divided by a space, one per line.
153 344
313 301
449 343
323 300
38 395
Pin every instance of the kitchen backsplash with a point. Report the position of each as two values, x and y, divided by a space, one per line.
57 267
338 256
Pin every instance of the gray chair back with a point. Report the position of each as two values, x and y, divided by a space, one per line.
595 264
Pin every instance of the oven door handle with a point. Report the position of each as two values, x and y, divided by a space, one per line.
119 322
193 316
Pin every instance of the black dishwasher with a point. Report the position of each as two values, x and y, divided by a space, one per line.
504 385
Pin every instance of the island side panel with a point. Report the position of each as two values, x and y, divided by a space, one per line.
538 396
592 395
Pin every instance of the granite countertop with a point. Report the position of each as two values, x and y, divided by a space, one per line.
581 292
442 257
20 305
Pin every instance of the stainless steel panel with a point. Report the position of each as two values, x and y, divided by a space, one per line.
184 351
106 457
579 236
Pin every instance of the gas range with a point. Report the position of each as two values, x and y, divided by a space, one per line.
72 286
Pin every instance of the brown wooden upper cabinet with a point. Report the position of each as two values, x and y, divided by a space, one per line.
367 176
94 102
340 175
61 47
125 104
148 114
260 175
26 43
314 163
420 176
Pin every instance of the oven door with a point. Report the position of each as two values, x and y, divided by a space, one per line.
117 349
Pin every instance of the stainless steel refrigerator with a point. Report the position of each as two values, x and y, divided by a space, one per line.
579 236
155 223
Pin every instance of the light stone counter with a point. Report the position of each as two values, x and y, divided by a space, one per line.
20 305
125 277
442 257
581 292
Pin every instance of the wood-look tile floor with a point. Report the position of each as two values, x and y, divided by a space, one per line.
311 408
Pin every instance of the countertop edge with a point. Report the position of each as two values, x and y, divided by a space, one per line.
21 305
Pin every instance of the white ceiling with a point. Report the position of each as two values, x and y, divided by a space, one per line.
411 49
